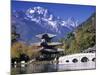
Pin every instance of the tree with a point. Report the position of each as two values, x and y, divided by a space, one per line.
14 35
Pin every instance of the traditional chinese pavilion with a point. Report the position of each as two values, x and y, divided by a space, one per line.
49 50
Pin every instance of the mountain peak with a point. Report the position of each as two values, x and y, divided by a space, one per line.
37 12
38 9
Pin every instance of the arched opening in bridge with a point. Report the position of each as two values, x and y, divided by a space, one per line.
94 59
67 61
84 59
75 60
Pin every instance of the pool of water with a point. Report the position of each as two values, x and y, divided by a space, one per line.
40 68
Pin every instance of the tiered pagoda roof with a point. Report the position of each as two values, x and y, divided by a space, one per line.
46 44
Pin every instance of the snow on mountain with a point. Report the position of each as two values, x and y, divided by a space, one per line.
38 19
71 23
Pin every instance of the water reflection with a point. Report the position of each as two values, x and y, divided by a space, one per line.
35 68
40 68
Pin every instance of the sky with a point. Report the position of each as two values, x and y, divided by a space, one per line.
79 12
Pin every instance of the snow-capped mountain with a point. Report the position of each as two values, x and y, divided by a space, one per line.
39 20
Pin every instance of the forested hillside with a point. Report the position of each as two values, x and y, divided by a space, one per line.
83 37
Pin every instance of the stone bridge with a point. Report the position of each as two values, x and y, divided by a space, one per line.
77 61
